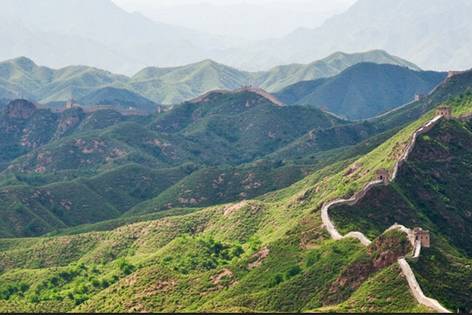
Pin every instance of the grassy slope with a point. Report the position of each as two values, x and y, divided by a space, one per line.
202 261
432 191
156 252
171 264
224 129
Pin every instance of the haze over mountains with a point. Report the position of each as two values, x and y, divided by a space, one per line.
434 34
98 33
21 77
141 173
240 19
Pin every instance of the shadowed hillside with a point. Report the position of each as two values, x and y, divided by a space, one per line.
364 90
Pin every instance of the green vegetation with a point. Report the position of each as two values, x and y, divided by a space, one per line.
363 90
268 254
432 192
161 85
128 165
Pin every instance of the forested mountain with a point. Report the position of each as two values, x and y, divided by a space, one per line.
272 253
65 169
363 90
22 78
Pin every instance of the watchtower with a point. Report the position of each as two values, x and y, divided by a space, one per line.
419 97
69 104
383 175
421 235
444 111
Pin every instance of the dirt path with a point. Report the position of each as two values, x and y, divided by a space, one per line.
405 267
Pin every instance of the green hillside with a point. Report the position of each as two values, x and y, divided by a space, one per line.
283 76
270 254
216 251
22 78
363 90
431 191
241 143
217 139
71 168
267 254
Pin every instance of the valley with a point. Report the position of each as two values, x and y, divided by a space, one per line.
265 250
242 156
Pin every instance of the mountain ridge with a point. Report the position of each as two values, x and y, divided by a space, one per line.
280 259
363 90
368 24
169 85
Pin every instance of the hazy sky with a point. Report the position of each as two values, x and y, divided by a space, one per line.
248 19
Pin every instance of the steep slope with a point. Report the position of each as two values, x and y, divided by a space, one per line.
118 162
216 251
271 254
431 191
369 24
363 91
283 76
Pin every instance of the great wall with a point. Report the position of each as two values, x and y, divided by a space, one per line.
417 236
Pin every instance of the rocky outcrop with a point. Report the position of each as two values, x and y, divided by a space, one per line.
69 120
383 252
20 109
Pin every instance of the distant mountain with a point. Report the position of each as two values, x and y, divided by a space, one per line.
434 34
282 76
96 33
174 85
363 90
21 77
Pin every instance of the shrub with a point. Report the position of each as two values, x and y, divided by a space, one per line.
293 271
278 278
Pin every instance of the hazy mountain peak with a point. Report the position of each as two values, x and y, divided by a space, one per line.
23 62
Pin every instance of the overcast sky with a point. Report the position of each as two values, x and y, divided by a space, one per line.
248 19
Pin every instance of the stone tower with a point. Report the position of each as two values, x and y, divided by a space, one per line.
444 111
383 175
69 104
421 235
418 97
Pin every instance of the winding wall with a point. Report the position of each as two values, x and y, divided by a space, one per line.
405 267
